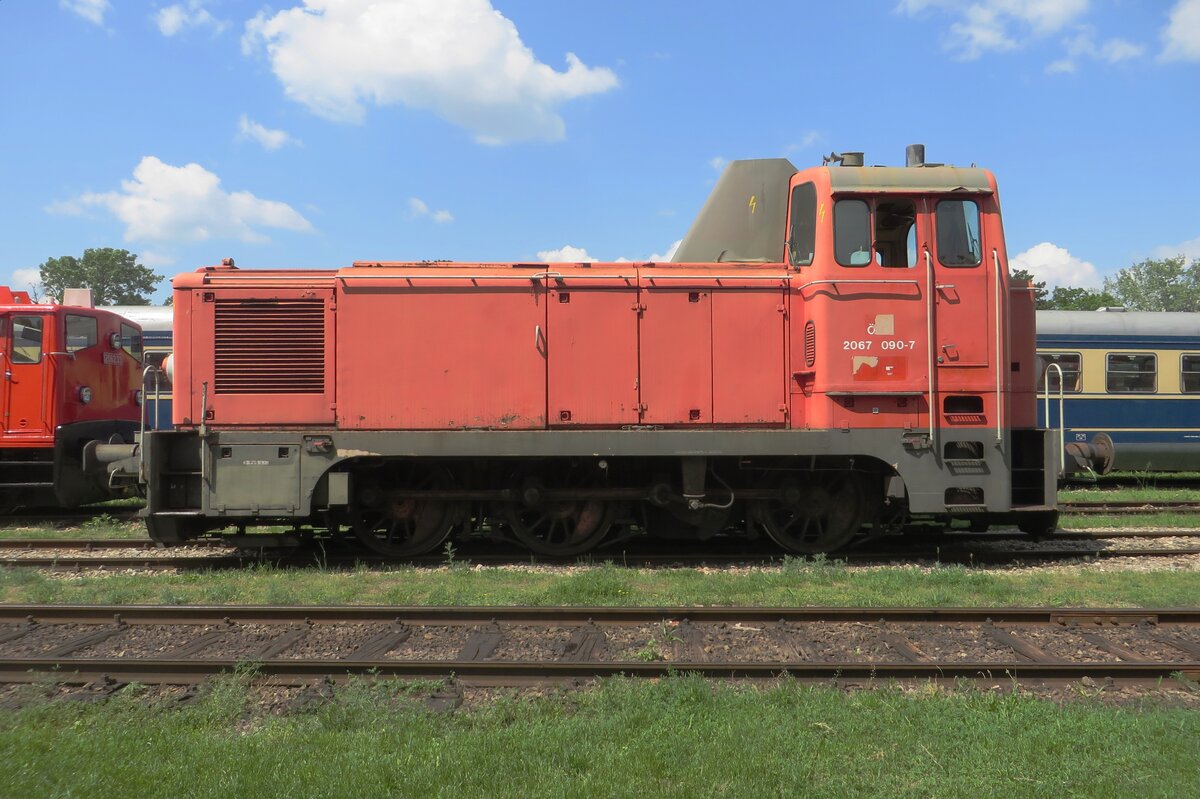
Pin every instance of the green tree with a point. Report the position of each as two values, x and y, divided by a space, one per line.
1165 284
114 276
1070 298
1039 286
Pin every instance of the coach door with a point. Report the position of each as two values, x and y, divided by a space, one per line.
23 385
957 267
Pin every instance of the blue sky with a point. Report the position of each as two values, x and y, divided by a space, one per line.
312 133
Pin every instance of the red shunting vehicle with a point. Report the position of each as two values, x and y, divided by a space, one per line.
71 376
834 353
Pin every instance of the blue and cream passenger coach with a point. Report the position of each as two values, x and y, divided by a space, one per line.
1130 388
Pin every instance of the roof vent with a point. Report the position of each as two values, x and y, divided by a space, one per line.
845 159
914 155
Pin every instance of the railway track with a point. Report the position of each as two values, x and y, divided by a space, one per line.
1126 508
524 645
59 556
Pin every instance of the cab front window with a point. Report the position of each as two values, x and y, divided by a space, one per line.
881 232
27 339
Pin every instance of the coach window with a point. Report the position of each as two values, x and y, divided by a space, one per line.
958 233
82 332
852 232
131 340
156 360
1069 362
27 339
1131 373
802 238
1189 378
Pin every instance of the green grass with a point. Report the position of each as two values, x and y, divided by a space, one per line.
1183 521
681 737
794 583
1162 493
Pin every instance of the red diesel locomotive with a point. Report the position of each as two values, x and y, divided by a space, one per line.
833 351
71 375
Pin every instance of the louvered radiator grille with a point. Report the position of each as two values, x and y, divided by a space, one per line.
269 347
810 344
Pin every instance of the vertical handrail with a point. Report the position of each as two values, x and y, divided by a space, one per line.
999 345
1062 419
142 431
929 312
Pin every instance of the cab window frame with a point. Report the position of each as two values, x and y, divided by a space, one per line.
1109 373
938 228
886 252
13 355
91 334
131 341
810 233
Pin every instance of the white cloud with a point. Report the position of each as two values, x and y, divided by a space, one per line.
1056 266
1190 249
1083 45
571 254
566 254
192 14
91 10
997 25
269 138
668 255
153 258
419 208
1181 37
185 203
461 59
717 162
26 280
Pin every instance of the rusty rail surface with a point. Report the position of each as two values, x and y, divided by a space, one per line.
896 639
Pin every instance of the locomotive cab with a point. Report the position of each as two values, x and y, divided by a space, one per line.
70 375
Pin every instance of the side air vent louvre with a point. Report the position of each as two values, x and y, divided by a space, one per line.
810 344
269 347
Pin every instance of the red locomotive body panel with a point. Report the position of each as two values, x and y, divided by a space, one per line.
436 348
592 346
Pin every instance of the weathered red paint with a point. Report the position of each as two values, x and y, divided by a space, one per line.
436 346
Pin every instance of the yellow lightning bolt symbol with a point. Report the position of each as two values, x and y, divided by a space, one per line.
753 203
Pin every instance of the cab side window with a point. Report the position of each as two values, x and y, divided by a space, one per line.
958 233
27 339
82 332
852 232
131 340
802 237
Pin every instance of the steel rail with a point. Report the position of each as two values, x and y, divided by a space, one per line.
476 614
484 672
474 664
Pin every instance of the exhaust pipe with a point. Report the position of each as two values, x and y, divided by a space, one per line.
914 155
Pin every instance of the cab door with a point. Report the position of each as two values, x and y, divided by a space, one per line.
25 339
962 296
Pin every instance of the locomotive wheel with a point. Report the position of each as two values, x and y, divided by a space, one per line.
813 516
559 528
401 527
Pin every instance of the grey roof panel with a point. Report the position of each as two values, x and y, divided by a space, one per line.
1117 323
927 179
